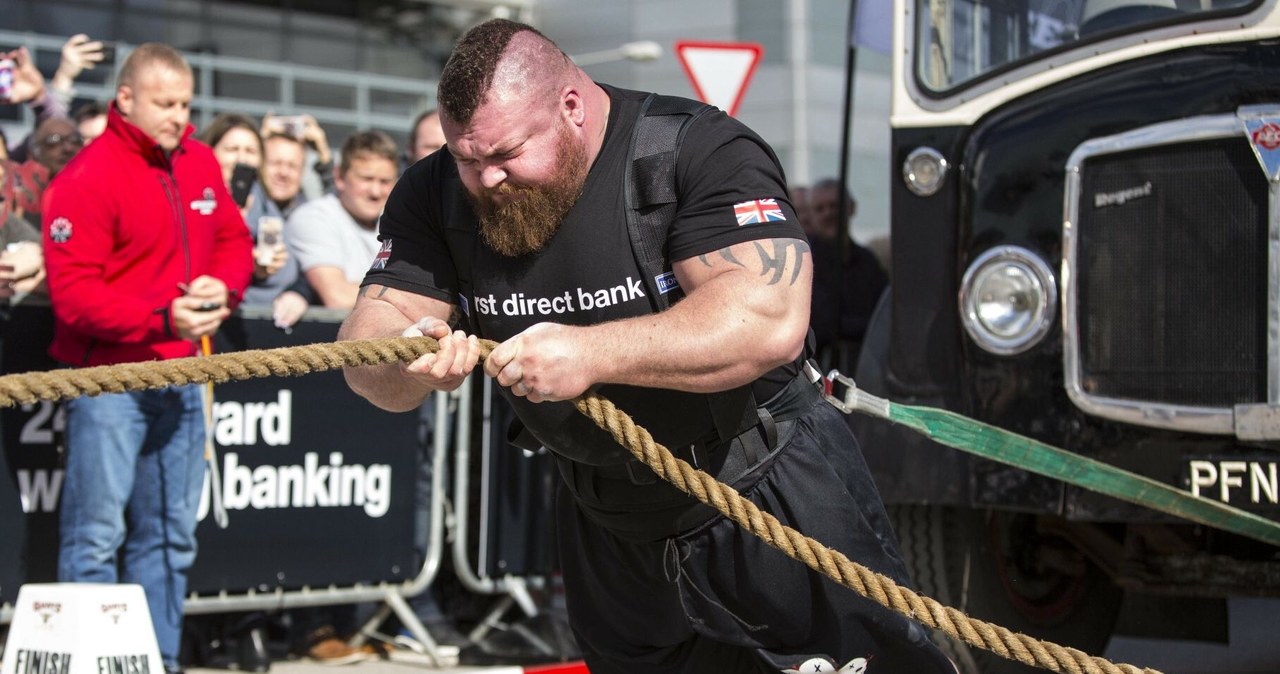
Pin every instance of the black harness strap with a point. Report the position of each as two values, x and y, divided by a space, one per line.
650 184
652 200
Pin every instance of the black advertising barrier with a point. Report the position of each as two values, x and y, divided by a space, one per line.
32 476
13 531
317 483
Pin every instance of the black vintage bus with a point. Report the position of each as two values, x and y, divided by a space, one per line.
1085 237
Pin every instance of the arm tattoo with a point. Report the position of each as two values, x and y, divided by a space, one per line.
725 253
365 291
777 260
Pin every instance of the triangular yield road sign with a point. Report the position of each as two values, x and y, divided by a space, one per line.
719 71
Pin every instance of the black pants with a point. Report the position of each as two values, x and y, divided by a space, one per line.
719 599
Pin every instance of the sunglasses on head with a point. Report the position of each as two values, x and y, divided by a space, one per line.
58 139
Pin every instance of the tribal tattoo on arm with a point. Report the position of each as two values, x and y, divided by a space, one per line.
374 291
774 255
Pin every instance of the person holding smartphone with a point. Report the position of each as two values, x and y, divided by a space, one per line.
273 198
238 148
311 136
49 99
21 259
240 152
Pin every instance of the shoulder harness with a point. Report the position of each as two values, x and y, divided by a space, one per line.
652 201
651 192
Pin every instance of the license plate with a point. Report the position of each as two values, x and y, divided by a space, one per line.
1245 482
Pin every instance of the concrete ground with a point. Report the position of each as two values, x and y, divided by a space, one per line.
1253 649
403 662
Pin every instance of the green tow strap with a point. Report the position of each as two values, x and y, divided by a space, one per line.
975 437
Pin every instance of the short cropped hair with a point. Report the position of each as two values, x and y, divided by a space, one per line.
367 144
150 53
468 74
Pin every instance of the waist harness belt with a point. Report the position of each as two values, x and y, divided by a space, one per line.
729 459
672 512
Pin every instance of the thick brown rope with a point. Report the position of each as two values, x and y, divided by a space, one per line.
833 564
299 360
219 368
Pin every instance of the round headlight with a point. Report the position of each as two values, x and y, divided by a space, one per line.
924 170
1007 300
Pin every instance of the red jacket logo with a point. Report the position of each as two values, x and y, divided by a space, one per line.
207 204
60 230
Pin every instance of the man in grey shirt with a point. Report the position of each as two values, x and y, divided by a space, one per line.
335 237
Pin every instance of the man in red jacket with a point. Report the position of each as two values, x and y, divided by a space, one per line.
146 254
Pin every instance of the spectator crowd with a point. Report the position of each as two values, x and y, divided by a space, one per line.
303 249
316 246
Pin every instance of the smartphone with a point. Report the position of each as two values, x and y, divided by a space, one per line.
292 125
108 52
242 177
270 237
6 78
209 306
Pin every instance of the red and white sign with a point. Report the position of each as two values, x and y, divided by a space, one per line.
81 628
719 71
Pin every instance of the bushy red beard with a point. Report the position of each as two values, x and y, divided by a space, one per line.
527 222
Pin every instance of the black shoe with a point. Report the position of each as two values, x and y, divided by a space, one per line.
171 669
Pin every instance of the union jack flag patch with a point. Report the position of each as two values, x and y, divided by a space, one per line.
380 260
758 211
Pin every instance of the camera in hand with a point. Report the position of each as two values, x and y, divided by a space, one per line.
290 125
6 78
108 53
270 236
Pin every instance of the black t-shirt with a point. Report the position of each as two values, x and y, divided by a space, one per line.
587 273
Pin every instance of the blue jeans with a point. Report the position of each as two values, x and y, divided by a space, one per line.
135 467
